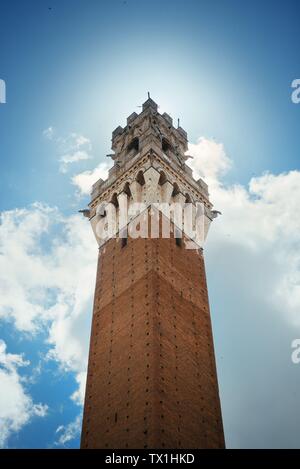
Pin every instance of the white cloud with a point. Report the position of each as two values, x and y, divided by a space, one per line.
16 406
40 410
260 217
47 273
49 133
73 148
78 395
44 261
69 432
68 159
22 264
84 181
209 160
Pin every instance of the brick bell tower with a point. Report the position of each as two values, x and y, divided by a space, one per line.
152 380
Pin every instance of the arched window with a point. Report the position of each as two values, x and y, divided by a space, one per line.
188 199
166 146
162 179
127 189
133 146
175 189
101 210
140 178
114 200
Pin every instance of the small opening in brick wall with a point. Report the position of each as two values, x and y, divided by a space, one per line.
116 417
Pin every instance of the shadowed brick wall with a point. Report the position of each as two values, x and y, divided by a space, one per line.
152 379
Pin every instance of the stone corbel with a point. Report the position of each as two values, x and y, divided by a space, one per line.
166 192
179 198
151 189
136 191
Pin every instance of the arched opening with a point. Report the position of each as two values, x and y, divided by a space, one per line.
101 210
114 200
127 190
140 178
162 179
133 146
165 145
175 189
188 199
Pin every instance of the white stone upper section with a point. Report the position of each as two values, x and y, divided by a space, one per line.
149 166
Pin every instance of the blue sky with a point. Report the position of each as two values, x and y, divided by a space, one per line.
225 69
